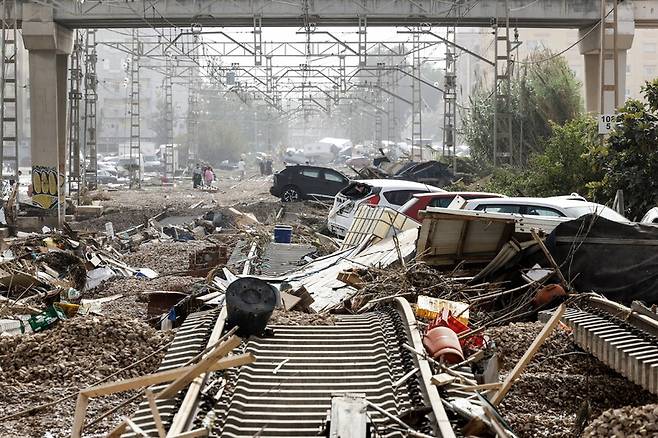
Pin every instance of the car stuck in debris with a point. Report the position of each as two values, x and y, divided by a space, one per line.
295 183
555 206
376 192
421 201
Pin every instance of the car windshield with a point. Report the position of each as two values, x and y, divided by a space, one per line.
356 190
600 210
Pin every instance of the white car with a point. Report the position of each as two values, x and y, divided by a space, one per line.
377 192
651 217
556 206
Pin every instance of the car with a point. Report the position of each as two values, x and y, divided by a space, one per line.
152 164
376 192
420 201
556 206
105 177
295 183
651 217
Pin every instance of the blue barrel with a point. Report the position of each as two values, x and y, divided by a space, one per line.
282 233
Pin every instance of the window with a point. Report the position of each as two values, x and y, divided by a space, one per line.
311 173
334 177
534 210
649 47
399 197
499 208
628 68
442 202
649 71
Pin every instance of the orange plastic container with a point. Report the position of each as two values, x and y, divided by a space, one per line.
443 344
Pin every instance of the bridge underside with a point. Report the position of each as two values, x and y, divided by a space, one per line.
230 13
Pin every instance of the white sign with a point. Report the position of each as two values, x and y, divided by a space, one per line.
109 230
606 122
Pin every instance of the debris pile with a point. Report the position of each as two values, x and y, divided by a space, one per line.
81 350
477 282
562 388
639 421
294 317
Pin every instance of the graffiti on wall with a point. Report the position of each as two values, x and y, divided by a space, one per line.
44 186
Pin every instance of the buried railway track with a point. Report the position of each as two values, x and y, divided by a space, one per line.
288 390
623 339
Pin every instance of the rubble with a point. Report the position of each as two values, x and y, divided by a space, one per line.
83 349
641 421
558 384
43 367
294 317
482 287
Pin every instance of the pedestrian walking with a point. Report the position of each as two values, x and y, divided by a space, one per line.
196 176
241 168
209 176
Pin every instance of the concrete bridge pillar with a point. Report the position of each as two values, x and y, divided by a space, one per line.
49 45
590 48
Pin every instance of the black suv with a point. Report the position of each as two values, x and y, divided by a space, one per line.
295 183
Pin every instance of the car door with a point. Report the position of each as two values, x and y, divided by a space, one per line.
311 181
334 182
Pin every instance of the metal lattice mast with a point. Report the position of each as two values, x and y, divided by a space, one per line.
450 98
135 131
502 135
9 93
75 97
91 98
169 121
193 105
416 101
392 117
378 102
363 41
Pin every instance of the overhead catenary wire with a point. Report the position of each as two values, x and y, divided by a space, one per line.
571 46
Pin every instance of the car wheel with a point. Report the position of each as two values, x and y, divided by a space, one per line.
291 194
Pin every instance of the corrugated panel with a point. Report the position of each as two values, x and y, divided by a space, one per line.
377 222
279 258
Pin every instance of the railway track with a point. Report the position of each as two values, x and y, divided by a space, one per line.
287 392
624 340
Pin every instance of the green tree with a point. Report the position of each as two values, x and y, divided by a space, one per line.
544 91
562 168
159 123
628 160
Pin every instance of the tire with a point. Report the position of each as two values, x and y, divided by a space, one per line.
290 194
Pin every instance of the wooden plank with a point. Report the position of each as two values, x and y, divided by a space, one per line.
443 379
135 428
481 387
162 433
201 367
351 278
182 416
528 355
117 431
162 377
196 433
79 418
289 301
551 260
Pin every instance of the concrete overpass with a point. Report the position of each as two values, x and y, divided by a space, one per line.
231 13
47 32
